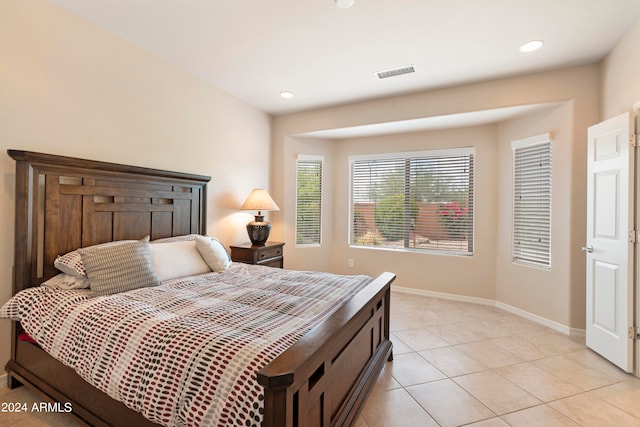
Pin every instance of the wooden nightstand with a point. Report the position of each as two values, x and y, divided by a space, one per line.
270 254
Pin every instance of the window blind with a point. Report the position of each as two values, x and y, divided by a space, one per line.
532 201
419 201
308 200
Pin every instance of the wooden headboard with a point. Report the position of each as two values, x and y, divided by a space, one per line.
63 203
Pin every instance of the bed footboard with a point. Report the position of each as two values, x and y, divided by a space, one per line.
324 379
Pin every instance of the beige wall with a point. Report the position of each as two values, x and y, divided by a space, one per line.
545 292
316 257
67 87
620 82
485 275
475 275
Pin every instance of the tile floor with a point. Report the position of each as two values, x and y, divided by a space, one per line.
466 364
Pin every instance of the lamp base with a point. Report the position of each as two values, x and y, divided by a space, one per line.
259 230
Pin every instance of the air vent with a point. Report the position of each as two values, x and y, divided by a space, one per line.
396 72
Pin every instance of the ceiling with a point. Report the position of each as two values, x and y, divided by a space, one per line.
255 49
471 118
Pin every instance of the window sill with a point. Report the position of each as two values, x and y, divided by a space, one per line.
415 251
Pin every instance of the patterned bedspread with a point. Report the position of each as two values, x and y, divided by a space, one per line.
184 353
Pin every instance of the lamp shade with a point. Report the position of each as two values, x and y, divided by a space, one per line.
259 200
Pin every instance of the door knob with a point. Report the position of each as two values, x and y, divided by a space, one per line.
587 249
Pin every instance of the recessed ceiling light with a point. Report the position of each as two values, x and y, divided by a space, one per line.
531 46
286 94
344 4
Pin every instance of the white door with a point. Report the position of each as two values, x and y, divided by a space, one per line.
609 249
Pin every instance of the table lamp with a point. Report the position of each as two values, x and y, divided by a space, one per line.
259 229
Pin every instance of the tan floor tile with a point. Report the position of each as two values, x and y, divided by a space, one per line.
457 333
498 394
22 420
542 415
491 422
553 342
398 346
420 339
591 359
489 354
523 348
582 369
538 382
452 362
401 322
480 310
491 327
520 325
588 410
19 394
449 404
404 303
360 422
411 369
450 313
33 419
395 408
624 395
385 380
634 382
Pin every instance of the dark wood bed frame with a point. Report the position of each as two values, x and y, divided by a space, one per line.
63 203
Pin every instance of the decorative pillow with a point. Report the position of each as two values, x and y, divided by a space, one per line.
71 263
177 259
214 253
67 281
119 267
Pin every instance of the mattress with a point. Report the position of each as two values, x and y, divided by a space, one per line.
186 352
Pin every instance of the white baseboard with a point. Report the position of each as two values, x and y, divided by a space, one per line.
534 318
573 332
442 295
3 381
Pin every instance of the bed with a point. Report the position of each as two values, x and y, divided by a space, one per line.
65 203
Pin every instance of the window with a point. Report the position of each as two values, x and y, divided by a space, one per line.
308 200
532 201
419 201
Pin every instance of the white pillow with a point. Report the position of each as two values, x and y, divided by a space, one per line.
71 264
177 259
180 238
66 281
214 253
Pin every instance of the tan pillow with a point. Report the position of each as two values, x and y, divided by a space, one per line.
119 267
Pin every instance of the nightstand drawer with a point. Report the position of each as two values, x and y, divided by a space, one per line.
270 255
269 252
272 262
